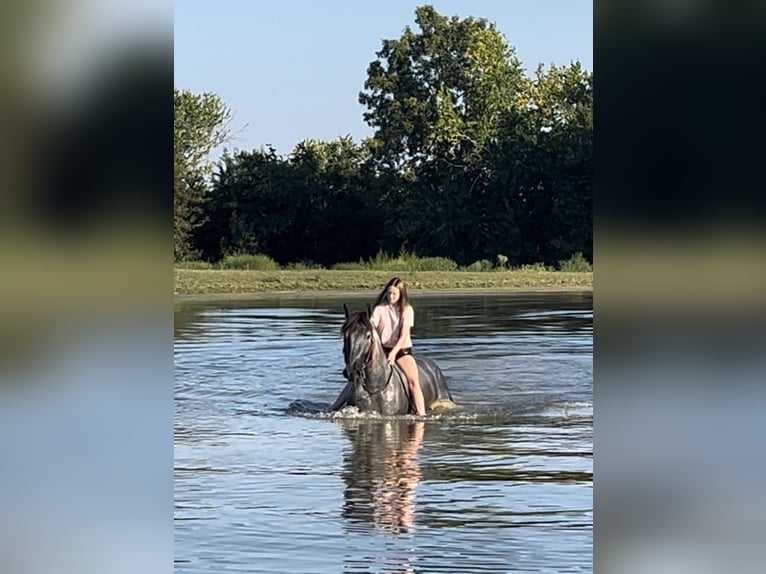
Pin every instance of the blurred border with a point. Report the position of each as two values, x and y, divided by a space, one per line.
680 287
86 296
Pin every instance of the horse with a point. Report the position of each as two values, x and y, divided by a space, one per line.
374 385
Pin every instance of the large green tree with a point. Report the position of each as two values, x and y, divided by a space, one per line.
440 92
436 98
201 124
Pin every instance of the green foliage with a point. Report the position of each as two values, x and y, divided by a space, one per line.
439 92
407 261
541 182
404 262
575 264
350 266
200 124
535 267
303 266
435 264
384 262
318 204
480 265
257 262
470 158
194 265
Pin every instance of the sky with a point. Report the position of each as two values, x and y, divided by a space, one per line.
292 70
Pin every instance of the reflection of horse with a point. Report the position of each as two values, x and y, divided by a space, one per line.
374 384
381 472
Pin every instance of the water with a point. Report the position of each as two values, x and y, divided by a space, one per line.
267 481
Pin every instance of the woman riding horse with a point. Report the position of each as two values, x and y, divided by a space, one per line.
394 317
377 382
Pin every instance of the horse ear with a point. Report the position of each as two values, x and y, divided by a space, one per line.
345 310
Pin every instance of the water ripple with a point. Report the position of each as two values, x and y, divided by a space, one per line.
266 480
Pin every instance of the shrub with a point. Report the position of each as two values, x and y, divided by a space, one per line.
535 267
194 265
406 261
258 262
384 262
480 265
303 266
350 266
434 264
575 264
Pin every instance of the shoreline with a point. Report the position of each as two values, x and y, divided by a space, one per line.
230 284
331 293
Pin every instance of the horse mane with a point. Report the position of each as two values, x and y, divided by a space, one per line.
359 318
356 318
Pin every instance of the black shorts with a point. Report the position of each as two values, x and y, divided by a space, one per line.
400 354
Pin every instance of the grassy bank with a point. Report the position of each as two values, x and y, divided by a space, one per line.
233 281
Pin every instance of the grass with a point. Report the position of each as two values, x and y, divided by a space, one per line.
258 273
240 281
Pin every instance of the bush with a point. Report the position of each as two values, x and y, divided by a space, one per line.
303 266
257 262
406 261
384 262
535 267
348 266
575 264
480 265
194 265
434 264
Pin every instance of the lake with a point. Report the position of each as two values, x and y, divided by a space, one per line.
267 481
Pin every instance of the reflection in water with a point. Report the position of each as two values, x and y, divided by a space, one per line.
381 473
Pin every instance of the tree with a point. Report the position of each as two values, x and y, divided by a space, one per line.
470 159
317 205
439 93
541 166
342 223
437 98
200 124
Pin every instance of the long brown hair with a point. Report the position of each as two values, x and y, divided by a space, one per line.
404 299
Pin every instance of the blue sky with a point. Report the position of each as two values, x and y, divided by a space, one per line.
292 69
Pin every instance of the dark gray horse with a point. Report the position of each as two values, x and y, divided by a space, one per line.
376 386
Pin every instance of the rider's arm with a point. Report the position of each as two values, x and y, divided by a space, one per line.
408 320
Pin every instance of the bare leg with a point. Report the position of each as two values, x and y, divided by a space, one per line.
344 396
410 368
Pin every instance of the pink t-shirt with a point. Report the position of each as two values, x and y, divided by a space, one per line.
386 319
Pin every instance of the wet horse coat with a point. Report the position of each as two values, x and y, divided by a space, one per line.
375 385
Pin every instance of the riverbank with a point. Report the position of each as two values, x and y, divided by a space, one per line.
230 283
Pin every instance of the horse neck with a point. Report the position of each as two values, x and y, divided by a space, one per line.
379 363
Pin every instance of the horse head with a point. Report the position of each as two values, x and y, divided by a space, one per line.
358 343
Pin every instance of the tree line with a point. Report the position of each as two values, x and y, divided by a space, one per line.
470 158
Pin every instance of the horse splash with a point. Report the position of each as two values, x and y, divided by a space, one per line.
376 386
